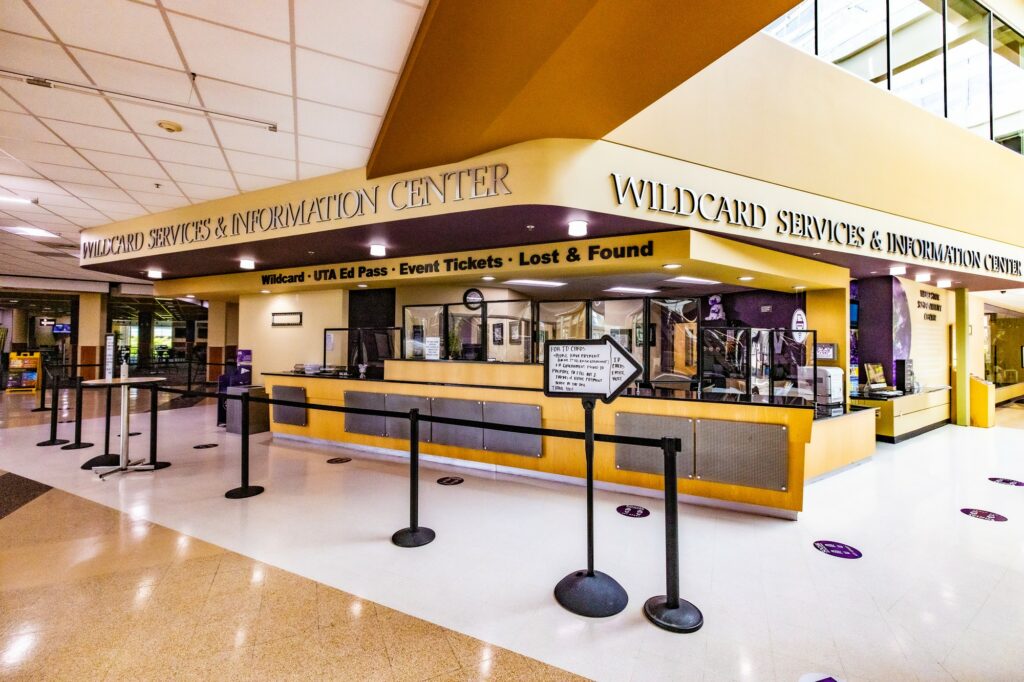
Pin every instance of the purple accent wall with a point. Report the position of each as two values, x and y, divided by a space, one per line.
743 309
884 326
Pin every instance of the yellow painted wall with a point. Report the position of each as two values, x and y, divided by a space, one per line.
828 312
278 348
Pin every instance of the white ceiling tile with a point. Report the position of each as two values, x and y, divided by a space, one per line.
23 186
367 31
234 56
249 138
100 219
331 154
312 170
143 117
100 139
185 152
200 176
73 213
24 127
131 165
38 151
117 217
172 85
64 104
35 57
86 176
244 101
17 17
59 202
52 220
6 103
123 28
339 125
269 17
322 78
205 192
142 184
248 183
15 167
112 208
254 164
159 202
90 192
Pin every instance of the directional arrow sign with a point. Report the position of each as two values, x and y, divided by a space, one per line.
588 369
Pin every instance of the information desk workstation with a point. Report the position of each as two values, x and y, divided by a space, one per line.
900 417
735 452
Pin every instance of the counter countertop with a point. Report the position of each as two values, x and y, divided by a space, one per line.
883 398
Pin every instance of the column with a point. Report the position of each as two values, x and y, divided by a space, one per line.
216 339
962 390
88 326
145 357
19 329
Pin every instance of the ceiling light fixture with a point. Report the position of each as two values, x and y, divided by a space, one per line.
154 274
169 126
264 291
247 264
745 278
799 287
631 290
378 250
577 228
18 200
693 280
943 283
487 278
190 295
73 86
534 283
923 277
898 270
362 286
671 266
27 231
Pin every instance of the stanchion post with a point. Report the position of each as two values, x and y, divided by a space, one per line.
42 394
668 611
54 399
245 490
78 444
154 391
107 458
188 373
414 535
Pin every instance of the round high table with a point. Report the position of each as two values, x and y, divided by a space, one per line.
124 463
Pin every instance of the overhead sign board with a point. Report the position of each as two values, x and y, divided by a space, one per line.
597 369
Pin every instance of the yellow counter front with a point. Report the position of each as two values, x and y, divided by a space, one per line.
906 416
558 458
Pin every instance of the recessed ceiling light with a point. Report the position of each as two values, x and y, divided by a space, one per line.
247 264
943 283
190 295
874 272
26 231
169 126
898 270
362 286
529 227
18 200
264 291
671 266
693 280
923 277
577 228
534 283
13 300
631 290
311 253
154 274
378 250
745 278
816 253
799 287
487 278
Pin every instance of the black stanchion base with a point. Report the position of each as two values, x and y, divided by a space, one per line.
162 465
77 446
407 537
684 618
593 596
55 441
241 493
107 460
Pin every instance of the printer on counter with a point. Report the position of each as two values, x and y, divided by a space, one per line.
830 391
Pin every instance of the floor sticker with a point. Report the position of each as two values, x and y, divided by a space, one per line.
1007 481
449 480
633 511
339 460
837 549
983 515
204 446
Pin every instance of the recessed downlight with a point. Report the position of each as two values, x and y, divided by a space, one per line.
923 277
169 126
534 283
264 291
577 228
631 290
247 264
154 274
943 283
671 266
745 278
190 295
683 279
378 250
487 278
898 270
799 287
362 286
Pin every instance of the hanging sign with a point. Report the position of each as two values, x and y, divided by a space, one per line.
109 354
588 369
432 348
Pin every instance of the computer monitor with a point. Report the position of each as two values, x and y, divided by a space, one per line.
876 377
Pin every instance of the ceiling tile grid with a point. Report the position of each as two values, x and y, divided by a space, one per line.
321 71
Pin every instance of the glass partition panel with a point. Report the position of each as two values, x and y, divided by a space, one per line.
423 332
511 331
725 360
673 341
561 320
852 36
917 53
796 27
465 333
792 363
967 67
336 345
1007 85
621 319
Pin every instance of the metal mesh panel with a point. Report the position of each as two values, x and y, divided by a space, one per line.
363 423
285 414
512 414
652 460
754 455
459 436
399 428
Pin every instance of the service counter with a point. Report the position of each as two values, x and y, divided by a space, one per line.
749 455
899 418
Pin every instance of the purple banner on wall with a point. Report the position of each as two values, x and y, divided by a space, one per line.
983 515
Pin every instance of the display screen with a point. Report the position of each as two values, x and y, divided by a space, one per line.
854 311
62 329
875 374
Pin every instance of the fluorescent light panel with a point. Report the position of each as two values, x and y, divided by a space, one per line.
923 277
18 200
154 274
898 270
943 283
631 290
534 283
26 231
378 250
247 264
577 228
683 279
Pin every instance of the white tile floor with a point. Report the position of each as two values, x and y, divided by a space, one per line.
937 595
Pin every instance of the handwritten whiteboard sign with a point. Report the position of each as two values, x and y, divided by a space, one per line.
588 369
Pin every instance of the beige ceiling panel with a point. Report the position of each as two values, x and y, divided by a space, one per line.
60 202
255 164
91 192
24 127
338 125
249 138
205 192
144 184
131 165
126 215
17 17
64 105
245 101
172 85
159 202
99 139
24 186
6 103
10 166
143 119
234 56
111 207
248 183
36 57
366 31
195 175
327 79
331 153
93 222
86 176
267 17
59 153
185 152
123 28
313 170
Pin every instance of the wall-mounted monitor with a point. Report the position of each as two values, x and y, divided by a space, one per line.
61 328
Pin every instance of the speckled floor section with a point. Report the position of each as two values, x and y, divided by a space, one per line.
16 491
90 593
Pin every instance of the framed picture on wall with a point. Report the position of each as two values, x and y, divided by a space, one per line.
498 334
624 337
515 332
285 319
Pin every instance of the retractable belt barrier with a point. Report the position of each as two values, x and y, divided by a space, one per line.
667 611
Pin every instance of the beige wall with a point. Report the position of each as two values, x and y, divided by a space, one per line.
977 337
278 348
929 344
